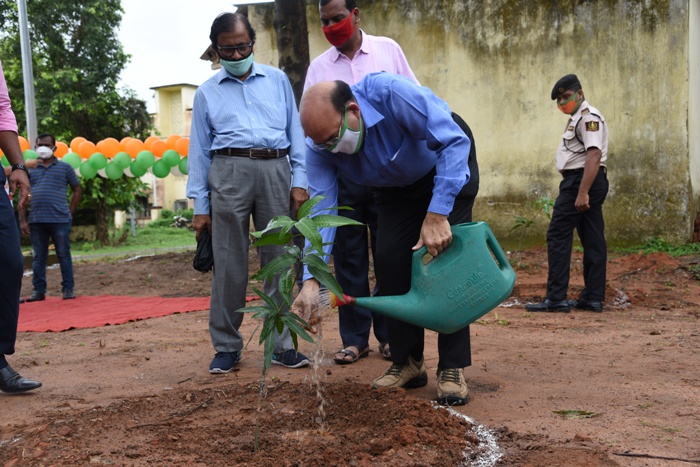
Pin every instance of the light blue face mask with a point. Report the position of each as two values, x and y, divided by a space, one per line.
238 67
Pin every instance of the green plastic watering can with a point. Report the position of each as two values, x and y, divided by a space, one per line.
455 288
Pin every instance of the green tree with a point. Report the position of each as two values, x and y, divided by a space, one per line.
77 59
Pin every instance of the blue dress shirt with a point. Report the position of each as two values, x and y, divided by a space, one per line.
259 112
408 132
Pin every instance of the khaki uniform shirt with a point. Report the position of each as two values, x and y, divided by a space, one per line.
592 131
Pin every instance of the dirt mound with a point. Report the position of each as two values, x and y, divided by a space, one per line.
348 425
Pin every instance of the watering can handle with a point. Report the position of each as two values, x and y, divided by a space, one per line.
497 251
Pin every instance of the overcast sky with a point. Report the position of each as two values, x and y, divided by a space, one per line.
165 39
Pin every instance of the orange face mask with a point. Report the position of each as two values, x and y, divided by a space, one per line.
569 106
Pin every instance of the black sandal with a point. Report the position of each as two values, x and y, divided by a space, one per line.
353 356
385 350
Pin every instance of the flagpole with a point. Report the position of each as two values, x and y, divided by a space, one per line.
27 72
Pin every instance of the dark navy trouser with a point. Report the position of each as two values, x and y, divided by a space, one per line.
11 267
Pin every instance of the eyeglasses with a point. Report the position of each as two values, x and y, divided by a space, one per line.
243 50
331 143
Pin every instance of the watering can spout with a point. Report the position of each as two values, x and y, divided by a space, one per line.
452 290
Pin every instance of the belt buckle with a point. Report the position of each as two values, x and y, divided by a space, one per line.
266 156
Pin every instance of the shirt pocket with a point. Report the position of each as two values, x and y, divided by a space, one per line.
273 114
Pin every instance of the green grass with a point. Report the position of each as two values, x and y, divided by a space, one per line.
659 245
147 240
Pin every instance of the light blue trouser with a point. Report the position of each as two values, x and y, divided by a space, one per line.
240 188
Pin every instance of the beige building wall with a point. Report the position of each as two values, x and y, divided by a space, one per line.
174 117
495 62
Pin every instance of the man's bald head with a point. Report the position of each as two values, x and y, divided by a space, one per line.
322 107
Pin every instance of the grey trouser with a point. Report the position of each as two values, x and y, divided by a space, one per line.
241 187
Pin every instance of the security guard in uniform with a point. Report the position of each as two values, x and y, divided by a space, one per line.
581 159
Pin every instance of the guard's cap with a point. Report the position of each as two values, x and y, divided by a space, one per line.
564 84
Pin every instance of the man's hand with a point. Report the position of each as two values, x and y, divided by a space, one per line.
298 196
306 303
582 202
435 234
24 227
201 222
20 180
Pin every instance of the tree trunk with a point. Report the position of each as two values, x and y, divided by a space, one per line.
292 42
102 221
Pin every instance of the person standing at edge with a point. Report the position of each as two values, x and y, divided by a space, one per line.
355 54
10 252
244 124
50 216
399 138
581 159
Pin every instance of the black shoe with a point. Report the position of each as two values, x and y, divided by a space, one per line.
21 300
561 306
11 381
36 297
588 305
68 294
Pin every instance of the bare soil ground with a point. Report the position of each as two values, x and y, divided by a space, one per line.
140 393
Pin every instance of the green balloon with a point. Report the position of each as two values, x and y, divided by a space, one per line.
98 161
73 159
146 158
29 154
183 166
122 159
4 161
160 169
87 170
137 169
171 157
114 171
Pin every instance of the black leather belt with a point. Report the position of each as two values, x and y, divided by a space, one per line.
253 153
569 173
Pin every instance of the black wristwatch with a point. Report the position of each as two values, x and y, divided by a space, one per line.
20 167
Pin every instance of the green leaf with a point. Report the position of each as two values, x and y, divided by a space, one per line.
306 208
320 271
274 238
269 350
279 222
278 265
269 300
326 220
286 286
297 326
308 229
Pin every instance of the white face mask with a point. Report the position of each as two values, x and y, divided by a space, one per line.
350 140
44 152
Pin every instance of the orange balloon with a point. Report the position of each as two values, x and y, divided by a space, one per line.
87 149
75 143
61 149
125 140
23 143
158 148
148 141
134 147
172 139
182 146
100 146
110 147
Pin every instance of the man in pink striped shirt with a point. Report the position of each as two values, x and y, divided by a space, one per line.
353 55
10 253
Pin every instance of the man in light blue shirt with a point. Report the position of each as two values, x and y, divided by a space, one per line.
399 138
246 151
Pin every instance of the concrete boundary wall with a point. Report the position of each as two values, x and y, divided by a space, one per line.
495 62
